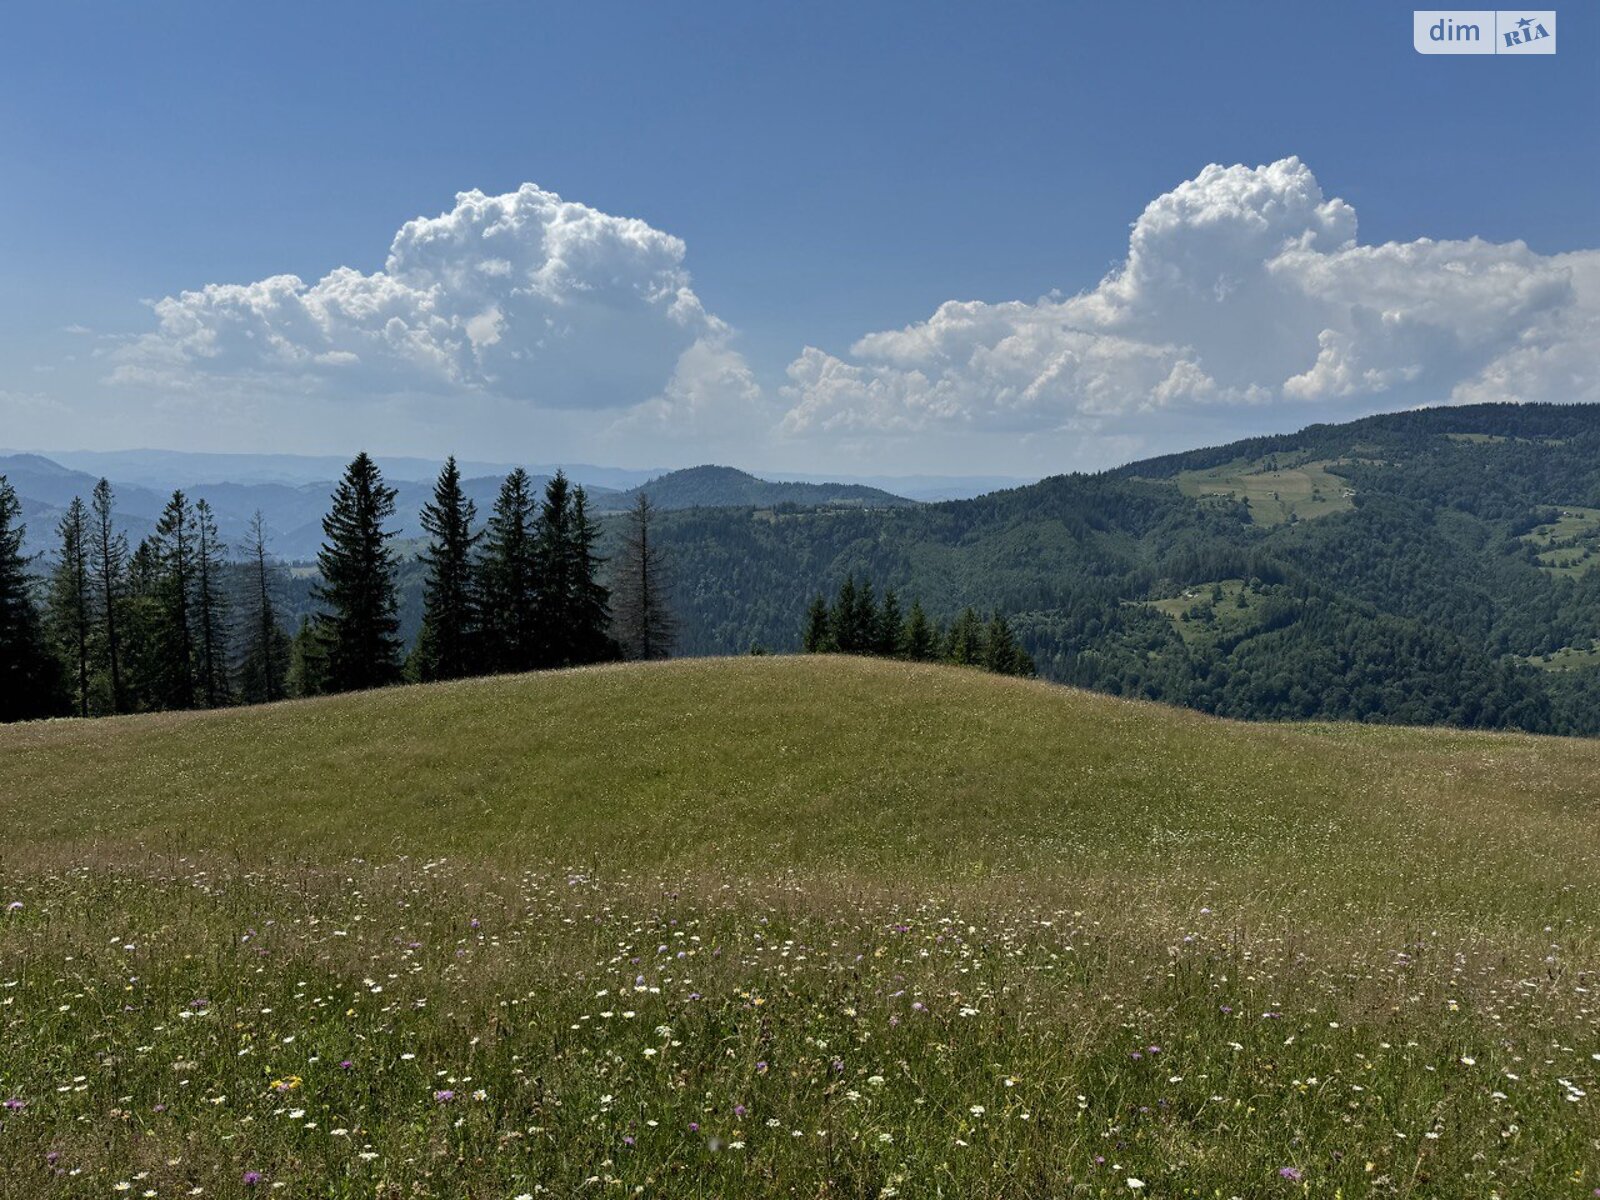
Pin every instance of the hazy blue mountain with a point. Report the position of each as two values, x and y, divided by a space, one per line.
166 469
293 511
927 488
727 487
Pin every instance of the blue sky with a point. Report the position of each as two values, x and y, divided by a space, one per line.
832 172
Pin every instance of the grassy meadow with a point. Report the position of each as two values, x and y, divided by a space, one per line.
1299 492
1569 546
814 927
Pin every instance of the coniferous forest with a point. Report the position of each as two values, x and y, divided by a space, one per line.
1431 567
181 621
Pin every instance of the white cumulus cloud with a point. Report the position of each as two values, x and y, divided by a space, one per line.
523 296
1242 286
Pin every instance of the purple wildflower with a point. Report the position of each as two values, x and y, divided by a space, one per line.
1292 1174
444 1095
251 1178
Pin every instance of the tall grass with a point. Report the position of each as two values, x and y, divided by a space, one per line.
814 927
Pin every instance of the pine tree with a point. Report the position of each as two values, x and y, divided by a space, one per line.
646 626
212 629
921 639
1001 653
841 615
589 608
855 618
70 607
30 677
108 560
264 666
966 642
445 647
358 627
999 647
864 625
509 578
308 661
558 574
818 637
174 683
886 635
139 626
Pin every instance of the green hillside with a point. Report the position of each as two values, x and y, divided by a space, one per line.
1403 568
799 926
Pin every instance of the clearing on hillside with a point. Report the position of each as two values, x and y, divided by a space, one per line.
1274 493
811 926
1569 545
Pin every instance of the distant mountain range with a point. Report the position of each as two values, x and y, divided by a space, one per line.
726 487
293 509
166 469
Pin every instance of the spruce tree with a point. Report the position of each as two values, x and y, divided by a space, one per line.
70 605
645 623
139 626
845 619
509 578
308 662
211 610
966 641
174 683
264 666
558 575
818 636
864 624
920 639
589 608
1001 653
30 677
108 560
358 627
886 634
445 647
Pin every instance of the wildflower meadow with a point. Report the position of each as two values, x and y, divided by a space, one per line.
810 927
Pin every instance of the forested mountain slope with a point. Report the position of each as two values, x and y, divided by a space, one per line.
1438 566
725 487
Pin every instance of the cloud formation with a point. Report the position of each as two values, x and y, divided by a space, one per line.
523 296
1241 287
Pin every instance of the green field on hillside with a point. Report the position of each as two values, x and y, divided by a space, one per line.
793 926
1210 610
1569 545
1275 494
1568 658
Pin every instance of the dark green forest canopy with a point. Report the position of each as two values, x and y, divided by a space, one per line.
1416 567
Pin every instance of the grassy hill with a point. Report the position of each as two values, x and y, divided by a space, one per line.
819 926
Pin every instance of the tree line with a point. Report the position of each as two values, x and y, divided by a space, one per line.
858 623
179 622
